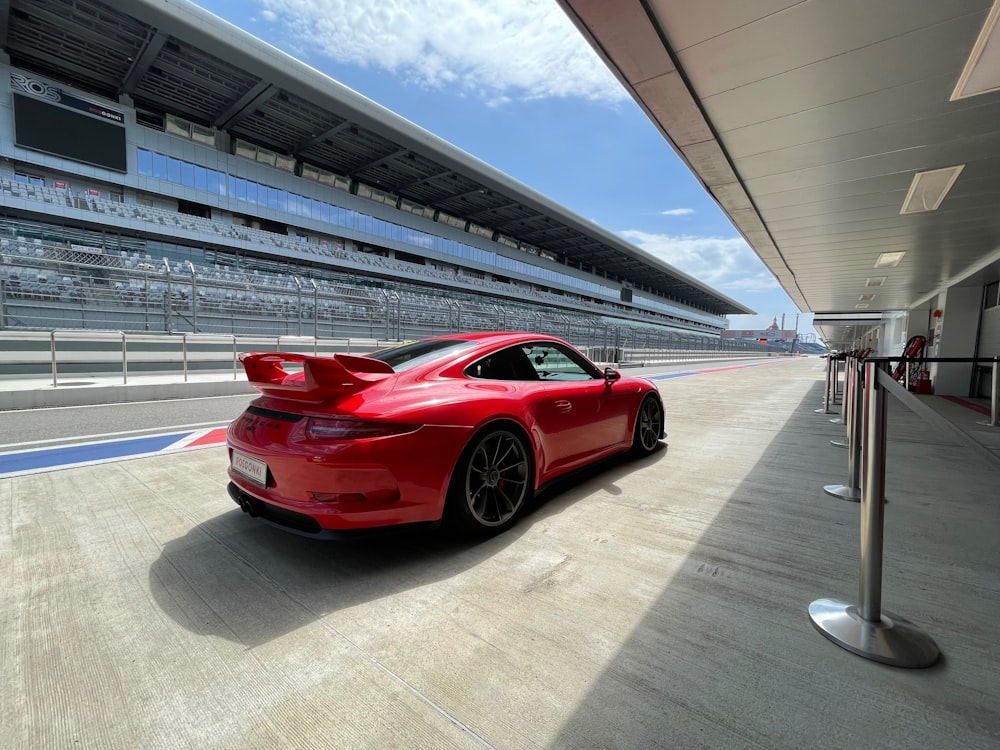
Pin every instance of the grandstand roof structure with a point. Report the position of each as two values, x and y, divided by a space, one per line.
173 57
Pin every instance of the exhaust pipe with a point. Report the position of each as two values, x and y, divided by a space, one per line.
246 503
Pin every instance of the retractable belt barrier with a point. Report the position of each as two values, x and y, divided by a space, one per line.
865 628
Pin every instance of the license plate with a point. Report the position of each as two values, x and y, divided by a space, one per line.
252 468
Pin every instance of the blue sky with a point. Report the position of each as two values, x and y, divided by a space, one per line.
513 83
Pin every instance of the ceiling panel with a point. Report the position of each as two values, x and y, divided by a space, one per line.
897 106
811 34
691 23
977 123
897 61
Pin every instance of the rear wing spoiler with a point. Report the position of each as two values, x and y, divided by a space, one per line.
321 378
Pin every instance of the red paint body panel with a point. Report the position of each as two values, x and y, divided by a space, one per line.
405 477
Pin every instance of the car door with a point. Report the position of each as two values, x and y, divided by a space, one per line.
579 415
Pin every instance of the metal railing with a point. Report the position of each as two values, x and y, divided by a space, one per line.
206 337
111 352
159 354
89 335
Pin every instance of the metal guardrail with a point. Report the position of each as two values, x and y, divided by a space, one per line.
184 342
38 351
85 334
204 337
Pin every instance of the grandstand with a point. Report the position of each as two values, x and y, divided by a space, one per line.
162 171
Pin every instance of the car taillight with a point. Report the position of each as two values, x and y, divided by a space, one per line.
352 429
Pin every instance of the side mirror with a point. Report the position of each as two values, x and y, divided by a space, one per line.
611 375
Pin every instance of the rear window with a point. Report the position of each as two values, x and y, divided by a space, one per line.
405 356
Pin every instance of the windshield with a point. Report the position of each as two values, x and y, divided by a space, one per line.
405 356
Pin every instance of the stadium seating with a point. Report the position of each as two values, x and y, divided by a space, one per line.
222 289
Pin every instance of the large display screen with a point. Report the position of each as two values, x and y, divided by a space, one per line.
56 130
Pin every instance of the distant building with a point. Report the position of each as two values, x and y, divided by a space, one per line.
773 334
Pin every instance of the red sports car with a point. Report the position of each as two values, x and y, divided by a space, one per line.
463 428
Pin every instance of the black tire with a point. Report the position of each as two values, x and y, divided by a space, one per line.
492 482
648 426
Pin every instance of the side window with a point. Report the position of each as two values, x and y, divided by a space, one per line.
506 364
552 361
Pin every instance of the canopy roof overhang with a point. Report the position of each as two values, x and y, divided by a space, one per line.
807 122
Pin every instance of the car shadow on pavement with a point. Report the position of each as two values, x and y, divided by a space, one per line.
242 580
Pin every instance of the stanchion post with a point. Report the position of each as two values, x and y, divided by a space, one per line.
864 629
994 394
872 507
52 349
837 391
853 392
849 376
826 391
845 397
850 400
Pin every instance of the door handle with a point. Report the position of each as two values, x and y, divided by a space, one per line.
563 406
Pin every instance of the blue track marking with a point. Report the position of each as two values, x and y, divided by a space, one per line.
685 373
672 375
51 458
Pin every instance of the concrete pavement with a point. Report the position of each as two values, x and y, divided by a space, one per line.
651 603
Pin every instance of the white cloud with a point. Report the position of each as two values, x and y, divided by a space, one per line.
269 15
677 212
728 264
523 49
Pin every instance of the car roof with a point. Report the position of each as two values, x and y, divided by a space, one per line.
501 336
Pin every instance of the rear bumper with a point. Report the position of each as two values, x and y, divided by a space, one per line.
305 525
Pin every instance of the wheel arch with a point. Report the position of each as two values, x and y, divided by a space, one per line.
498 422
655 393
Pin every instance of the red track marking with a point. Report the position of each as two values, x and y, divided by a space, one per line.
212 437
968 404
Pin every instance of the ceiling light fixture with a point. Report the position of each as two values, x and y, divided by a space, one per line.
928 189
862 306
888 260
866 298
875 280
981 73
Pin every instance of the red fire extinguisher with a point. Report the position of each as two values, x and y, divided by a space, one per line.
923 384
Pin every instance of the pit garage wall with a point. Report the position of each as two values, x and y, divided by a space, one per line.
989 336
954 335
894 333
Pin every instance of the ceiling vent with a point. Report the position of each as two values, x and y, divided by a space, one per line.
888 260
866 298
875 280
862 306
928 189
981 73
